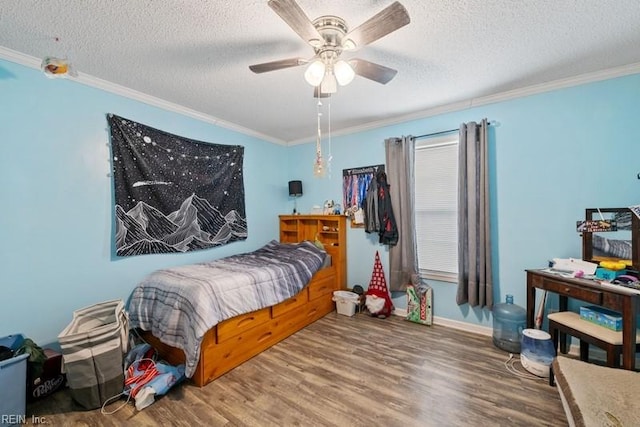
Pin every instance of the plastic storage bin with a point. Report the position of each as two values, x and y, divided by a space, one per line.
13 383
346 302
509 320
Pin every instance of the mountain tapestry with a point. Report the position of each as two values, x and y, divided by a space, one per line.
174 194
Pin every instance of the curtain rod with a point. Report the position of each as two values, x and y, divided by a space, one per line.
427 135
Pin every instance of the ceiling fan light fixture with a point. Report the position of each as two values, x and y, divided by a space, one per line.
315 72
329 36
329 84
343 72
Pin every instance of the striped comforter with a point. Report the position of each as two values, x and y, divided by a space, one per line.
179 305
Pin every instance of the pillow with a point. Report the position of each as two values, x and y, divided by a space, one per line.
318 244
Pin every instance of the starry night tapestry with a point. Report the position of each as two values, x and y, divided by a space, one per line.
174 194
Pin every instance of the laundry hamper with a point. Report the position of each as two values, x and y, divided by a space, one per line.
93 345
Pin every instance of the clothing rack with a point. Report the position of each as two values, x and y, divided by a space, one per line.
365 170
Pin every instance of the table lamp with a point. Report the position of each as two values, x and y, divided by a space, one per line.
295 191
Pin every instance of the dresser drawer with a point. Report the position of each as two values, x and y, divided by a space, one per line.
593 296
237 325
288 305
320 287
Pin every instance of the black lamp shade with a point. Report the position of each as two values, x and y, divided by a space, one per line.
295 188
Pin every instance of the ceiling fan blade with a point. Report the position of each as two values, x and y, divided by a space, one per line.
317 93
387 21
376 72
295 17
277 65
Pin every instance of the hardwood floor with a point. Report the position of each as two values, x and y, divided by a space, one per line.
347 371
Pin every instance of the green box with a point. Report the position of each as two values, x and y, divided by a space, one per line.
419 305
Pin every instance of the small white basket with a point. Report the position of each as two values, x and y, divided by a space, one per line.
346 302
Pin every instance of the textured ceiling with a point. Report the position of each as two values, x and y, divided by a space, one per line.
196 53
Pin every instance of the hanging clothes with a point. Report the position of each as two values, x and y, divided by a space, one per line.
371 219
363 186
388 231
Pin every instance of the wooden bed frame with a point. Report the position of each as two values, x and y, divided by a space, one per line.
236 340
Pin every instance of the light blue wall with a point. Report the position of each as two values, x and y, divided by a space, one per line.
56 213
553 155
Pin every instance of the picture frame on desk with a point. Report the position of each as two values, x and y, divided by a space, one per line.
620 245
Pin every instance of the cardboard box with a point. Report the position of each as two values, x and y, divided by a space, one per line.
419 305
601 316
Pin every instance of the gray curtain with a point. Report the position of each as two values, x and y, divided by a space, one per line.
475 283
403 263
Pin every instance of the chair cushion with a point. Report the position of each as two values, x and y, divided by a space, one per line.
574 321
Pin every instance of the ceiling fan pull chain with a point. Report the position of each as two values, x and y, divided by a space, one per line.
329 155
318 167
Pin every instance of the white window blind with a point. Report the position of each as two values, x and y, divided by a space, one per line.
436 205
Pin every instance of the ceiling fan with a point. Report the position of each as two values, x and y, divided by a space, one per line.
330 36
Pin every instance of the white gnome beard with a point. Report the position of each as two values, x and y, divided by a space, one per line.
374 304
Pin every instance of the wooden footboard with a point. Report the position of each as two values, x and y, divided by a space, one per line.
238 339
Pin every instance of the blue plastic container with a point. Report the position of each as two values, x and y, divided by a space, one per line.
13 383
509 320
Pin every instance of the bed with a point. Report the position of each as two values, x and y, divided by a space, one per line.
211 344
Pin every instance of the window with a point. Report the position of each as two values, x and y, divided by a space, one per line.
436 207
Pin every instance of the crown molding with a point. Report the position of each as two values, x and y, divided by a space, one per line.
581 79
89 80
86 79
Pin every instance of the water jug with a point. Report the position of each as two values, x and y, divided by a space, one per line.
509 320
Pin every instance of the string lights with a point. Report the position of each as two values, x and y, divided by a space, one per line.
321 166
318 166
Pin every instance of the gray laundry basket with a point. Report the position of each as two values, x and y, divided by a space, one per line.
93 345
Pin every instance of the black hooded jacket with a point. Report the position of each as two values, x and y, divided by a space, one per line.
388 231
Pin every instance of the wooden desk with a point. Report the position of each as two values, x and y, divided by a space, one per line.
613 297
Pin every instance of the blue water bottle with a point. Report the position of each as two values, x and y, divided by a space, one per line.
509 320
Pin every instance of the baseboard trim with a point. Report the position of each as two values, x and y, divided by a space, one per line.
573 350
455 324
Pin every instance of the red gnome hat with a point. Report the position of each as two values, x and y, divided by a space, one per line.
378 288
